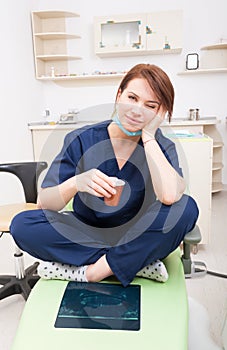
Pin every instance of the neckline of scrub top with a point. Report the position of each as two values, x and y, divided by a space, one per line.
121 170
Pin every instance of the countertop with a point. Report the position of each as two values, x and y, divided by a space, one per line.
76 125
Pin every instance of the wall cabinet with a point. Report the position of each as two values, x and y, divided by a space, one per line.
164 32
50 42
138 34
120 34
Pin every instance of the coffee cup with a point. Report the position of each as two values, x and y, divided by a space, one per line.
115 198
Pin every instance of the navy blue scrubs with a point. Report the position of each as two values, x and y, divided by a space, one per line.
133 234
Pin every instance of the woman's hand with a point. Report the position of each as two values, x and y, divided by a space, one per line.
150 128
167 183
96 183
92 181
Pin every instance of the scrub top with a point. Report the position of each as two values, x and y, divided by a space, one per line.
90 147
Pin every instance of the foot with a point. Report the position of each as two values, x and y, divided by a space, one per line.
154 271
58 271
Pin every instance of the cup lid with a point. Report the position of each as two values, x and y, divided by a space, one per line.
118 182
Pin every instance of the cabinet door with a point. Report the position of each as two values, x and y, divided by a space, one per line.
195 156
164 31
119 35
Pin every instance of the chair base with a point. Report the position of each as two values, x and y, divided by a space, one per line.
198 269
192 269
13 285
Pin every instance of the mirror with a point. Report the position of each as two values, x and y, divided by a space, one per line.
192 61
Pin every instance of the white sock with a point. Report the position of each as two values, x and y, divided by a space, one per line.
154 271
58 271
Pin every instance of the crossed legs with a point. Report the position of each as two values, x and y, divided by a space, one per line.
165 227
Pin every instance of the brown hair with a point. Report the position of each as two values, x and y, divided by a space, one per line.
157 79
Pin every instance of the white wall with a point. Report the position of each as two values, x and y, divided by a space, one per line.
23 98
21 95
204 24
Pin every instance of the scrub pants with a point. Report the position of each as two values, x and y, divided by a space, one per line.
61 237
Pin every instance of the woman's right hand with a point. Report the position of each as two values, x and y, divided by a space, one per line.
96 183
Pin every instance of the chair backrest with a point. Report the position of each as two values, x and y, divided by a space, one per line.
28 173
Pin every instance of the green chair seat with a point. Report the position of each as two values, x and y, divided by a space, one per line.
164 318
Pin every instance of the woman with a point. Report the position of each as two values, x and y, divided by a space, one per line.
95 241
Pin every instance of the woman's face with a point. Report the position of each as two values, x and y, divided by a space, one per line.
137 105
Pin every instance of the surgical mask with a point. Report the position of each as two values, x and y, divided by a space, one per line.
126 132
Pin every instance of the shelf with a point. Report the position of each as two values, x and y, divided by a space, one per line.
55 14
187 122
217 166
57 57
56 126
215 46
85 77
212 59
50 42
203 71
137 52
218 144
53 36
217 187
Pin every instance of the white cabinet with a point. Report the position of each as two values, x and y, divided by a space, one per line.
208 126
50 42
48 140
120 34
218 145
140 34
197 170
164 32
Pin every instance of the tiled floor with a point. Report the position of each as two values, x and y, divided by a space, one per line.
209 291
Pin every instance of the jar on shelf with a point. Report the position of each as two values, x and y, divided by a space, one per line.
194 114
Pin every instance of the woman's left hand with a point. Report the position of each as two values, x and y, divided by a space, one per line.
150 128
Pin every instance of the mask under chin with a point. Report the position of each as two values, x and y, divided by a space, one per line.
125 131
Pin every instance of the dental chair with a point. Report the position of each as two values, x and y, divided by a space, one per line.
163 307
23 280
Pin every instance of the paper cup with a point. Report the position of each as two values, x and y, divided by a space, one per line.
115 198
